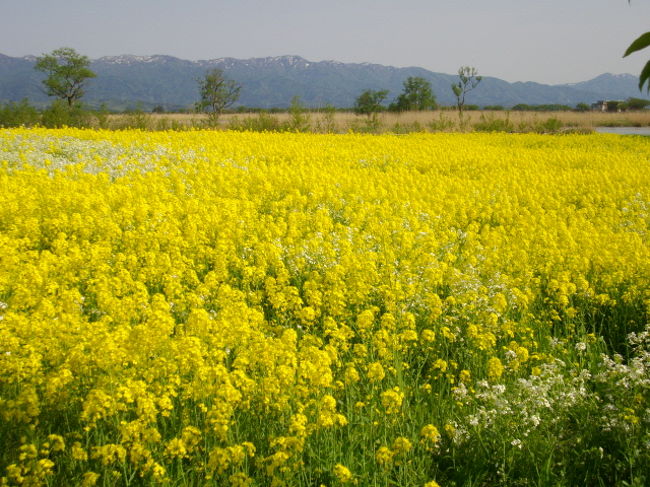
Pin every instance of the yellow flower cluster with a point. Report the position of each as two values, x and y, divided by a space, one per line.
257 305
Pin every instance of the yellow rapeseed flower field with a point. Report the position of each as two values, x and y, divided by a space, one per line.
253 309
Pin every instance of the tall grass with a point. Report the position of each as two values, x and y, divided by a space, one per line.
436 121
325 120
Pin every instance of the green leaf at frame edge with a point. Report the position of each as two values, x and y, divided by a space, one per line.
645 76
642 42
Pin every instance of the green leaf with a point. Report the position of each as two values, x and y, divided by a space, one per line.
645 76
641 43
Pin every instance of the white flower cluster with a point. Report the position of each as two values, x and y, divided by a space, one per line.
57 153
619 390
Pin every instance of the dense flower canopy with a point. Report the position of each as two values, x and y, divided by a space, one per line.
292 309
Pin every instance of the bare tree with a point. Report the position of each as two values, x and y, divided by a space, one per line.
217 93
468 79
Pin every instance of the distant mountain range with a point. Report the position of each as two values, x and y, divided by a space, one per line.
148 81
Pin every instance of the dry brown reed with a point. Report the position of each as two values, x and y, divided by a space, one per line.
424 121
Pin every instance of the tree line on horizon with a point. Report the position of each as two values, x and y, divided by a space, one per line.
67 73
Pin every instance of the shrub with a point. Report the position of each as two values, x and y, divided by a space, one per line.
490 123
407 128
60 114
135 119
101 117
549 126
16 114
370 125
327 123
264 122
442 124
300 119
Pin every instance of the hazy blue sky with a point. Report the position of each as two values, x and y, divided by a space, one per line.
549 41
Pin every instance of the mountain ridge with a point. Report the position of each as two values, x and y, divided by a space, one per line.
269 82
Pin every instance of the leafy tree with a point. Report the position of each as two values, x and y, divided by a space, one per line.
67 73
417 95
640 43
468 79
370 102
60 114
582 107
550 107
636 104
217 93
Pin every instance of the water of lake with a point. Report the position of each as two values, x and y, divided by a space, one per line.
623 130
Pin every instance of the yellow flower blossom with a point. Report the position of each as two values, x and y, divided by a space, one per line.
375 372
342 473
402 445
78 452
384 456
89 479
57 443
495 368
176 448
430 434
392 400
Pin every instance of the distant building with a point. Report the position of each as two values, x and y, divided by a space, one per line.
607 106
